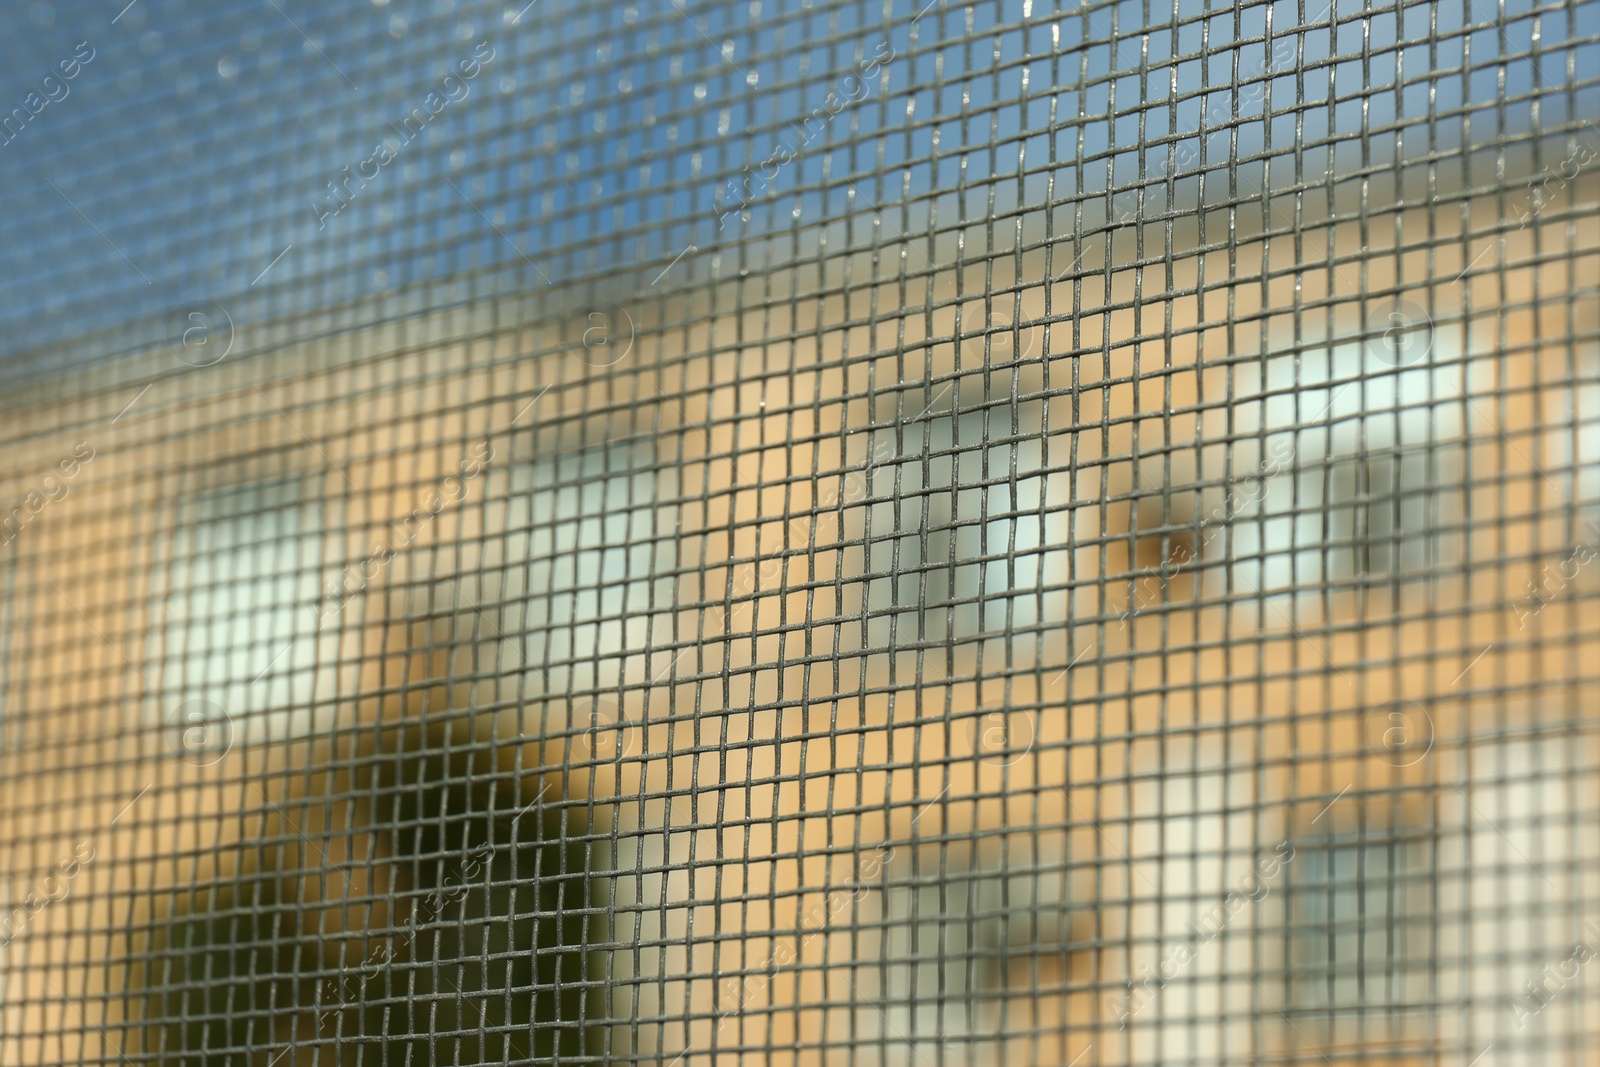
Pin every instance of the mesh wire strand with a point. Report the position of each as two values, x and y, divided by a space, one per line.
838 533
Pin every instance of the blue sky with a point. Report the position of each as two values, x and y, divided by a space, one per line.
191 150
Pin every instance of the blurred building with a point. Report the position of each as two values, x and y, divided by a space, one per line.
1152 632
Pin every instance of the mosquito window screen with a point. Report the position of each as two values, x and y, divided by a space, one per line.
904 532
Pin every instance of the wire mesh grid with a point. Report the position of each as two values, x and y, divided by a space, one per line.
688 533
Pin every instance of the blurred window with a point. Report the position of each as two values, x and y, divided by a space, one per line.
1361 923
966 957
237 610
957 542
590 558
1336 483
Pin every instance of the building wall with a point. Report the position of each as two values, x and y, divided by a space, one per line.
1138 682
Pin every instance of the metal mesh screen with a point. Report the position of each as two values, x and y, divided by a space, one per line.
818 533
